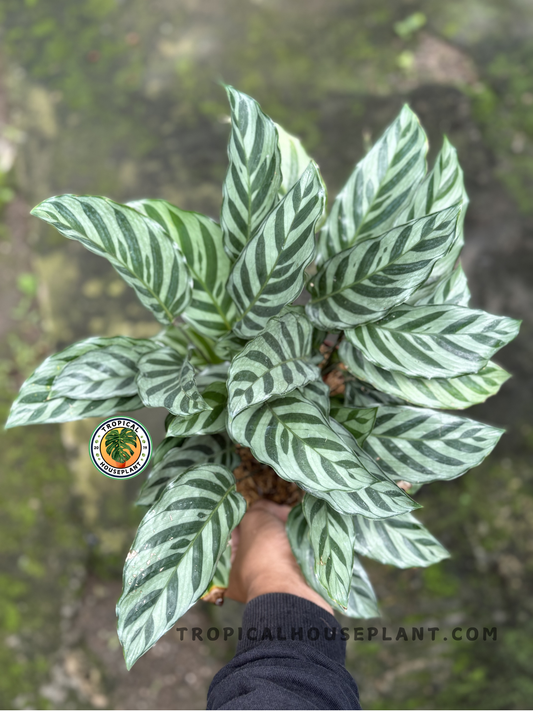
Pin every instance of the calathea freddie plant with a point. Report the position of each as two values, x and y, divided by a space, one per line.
343 397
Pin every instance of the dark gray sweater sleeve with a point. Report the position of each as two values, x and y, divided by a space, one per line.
291 656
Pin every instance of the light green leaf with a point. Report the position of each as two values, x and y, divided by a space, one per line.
332 537
212 374
362 283
401 541
274 363
381 499
175 554
206 422
27 410
294 437
442 188
270 270
211 310
362 600
167 380
379 187
318 393
441 393
254 173
294 159
138 248
222 572
359 421
34 406
438 341
208 449
165 446
188 343
360 394
421 446
229 346
104 372
451 289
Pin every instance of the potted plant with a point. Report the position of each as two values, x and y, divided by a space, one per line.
335 406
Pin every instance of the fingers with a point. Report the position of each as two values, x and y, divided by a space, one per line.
235 537
261 555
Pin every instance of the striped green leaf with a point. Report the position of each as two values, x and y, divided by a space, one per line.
138 248
27 410
205 422
294 437
379 187
222 572
438 341
270 270
319 394
294 160
35 406
359 421
360 394
332 537
212 374
362 283
362 600
253 179
223 569
104 372
451 289
211 310
200 350
175 554
401 541
383 499
165 446
440 393
210 449
273 363
421 446
442 188
165 379
229 346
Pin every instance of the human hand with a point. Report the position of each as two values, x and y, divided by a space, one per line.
262 559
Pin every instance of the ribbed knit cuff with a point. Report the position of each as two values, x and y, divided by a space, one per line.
288 619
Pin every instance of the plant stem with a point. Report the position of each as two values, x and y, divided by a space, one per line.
328 365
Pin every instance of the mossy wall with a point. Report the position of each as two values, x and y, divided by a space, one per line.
120 97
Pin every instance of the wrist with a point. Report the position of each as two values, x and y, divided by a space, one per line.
290 583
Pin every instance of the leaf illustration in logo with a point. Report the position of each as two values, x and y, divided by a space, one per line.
120 445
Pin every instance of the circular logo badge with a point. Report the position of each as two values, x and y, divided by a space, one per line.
120 448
